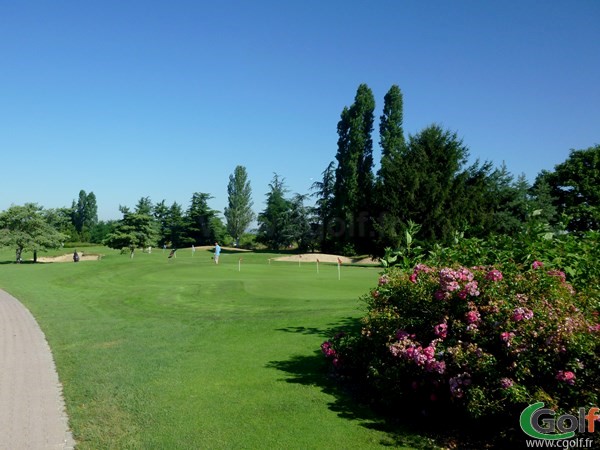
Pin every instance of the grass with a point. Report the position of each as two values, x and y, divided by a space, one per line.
181 353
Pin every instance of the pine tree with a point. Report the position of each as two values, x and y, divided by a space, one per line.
200 223
324 208
273 221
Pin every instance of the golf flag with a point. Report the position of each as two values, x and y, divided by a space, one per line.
240 265
339 270
317 265
299 260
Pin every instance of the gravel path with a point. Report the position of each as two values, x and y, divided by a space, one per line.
32 414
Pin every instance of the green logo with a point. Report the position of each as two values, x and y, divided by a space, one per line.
546 427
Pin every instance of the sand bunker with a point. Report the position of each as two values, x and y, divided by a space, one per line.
69 257
323 257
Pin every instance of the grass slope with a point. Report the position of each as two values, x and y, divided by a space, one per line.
180 353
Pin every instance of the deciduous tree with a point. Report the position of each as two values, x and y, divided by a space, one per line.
238 213
27 228
575 186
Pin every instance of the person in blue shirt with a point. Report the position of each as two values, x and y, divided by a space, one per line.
217 252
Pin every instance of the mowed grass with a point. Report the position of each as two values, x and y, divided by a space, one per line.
183 354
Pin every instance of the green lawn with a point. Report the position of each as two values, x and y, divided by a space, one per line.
181 353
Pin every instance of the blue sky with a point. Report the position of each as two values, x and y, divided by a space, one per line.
163 99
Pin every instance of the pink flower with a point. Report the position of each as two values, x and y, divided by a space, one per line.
441 330
494 275
537 265
401 334
473 316
435 366
559 274
423 268
507 337
413 277
594 328
472 288
567 376
429 352
506 383
464 274
327 349
383 280
452 286
522 314
441 295
458 383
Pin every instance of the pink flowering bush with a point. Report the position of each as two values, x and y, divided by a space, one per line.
483 341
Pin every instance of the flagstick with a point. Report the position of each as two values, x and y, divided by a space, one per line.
240 265
317 266
339 272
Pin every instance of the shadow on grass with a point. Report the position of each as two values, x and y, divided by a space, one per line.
312 370
348 325
400 428
2 263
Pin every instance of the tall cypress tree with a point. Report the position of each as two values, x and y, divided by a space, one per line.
354 174
388 198
239 212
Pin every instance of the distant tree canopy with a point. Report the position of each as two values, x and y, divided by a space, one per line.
424 181
84 212
29 227
136 229
158 224
574 186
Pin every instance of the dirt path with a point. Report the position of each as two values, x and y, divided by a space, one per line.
32 414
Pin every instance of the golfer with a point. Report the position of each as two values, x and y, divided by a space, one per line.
217 252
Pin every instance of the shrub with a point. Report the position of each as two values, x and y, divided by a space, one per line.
481 342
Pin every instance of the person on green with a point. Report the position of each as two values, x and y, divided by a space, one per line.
217 252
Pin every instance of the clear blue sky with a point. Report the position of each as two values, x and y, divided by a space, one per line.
130 99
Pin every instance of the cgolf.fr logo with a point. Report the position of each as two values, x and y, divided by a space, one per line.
542 423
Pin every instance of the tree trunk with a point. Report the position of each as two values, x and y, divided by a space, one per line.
18 255
34 256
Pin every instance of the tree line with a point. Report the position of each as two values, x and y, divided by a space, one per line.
424 179
32 228
424 183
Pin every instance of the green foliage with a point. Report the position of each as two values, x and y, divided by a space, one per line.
575 186
84 213
203 227
238 213
354 175
324 208
482 330
135 230
28 227
407 256
388 199
273 226
480 342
